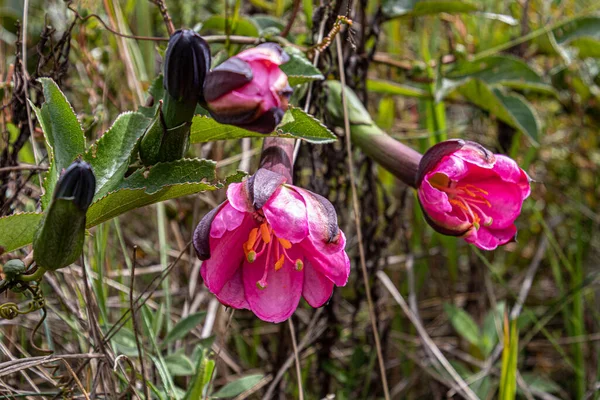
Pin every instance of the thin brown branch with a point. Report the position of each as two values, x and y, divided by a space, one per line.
162 7
24 167
356 210
290 23
134 323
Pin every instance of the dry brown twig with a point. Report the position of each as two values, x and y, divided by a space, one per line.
357 222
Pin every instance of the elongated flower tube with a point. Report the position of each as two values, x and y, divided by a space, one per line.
271 243
249 90
59 238
465 190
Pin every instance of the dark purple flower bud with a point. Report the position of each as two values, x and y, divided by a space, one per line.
78 184
59 238
249 90
186 63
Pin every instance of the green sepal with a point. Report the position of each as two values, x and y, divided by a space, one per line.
160 144
58 242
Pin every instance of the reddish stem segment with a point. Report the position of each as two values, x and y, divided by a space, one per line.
277 156
399 159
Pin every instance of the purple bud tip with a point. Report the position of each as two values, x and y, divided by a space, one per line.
78 183
187 62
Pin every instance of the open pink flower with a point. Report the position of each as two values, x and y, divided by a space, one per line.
269 244
467 191
249 90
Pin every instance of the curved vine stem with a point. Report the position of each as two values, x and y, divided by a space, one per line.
32 277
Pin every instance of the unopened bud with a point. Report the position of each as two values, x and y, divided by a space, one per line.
59 238
249 90
187 61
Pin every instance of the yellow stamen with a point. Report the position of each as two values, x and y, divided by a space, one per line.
279 263
299 265
264 232
251 240
285 243
251 256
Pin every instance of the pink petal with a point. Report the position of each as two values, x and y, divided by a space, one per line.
323 227
232 294
286 213
280 298
506 200
226 256
227 219
236 103
489 239
453 167
510 171
317 288
335 267
239 197
475 154
264 54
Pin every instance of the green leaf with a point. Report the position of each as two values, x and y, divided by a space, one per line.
578 38
235 388
489 337
62 131
306 127
243 26
393 88
298 69
540 383
463 323
266 22
110 155
357 113
510 355
509 107
183 327
196 387
414 8
500 70
179 364
299 125
158 360
17 230
236 178
151 185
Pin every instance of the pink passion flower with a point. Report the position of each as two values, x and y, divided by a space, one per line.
269 244
249 90
465 190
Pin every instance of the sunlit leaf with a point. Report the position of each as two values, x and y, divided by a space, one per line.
110 155
62 132
296 124
393 88
298 69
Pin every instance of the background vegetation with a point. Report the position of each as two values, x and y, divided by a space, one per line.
520 77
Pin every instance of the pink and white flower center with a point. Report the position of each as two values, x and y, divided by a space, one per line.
263 239
467 199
